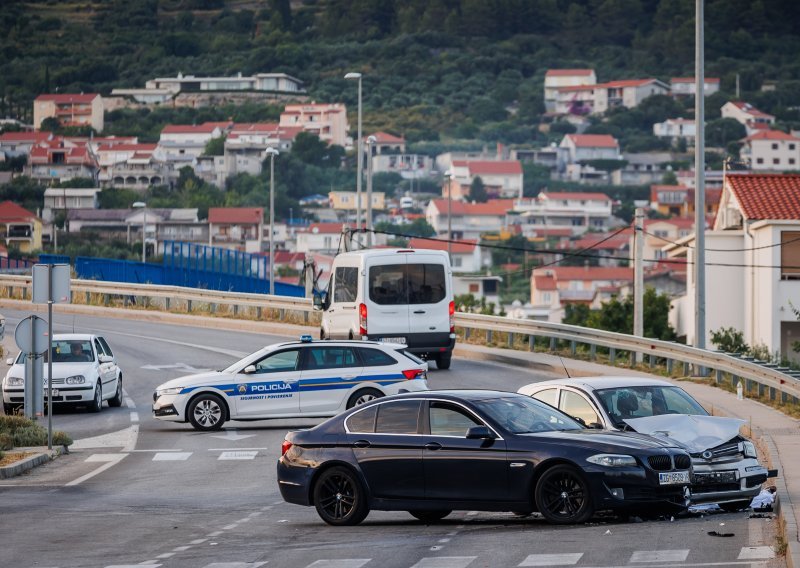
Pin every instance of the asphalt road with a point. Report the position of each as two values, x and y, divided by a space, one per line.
137 491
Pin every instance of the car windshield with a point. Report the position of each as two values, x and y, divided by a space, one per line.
523 415
639 402
72 351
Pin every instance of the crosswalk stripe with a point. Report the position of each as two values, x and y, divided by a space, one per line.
659 556
238 455
234 564
756 553
566 559
171 456
340 563
445 562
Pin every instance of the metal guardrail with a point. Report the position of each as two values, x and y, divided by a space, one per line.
769 380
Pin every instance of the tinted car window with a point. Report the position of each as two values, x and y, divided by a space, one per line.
547 395
363 421
399 417
426 283
578 407
413 357
638 402
449 420
345 284
330 358
524 415
106 347
72 351
387 284
99 348
283 361
375 358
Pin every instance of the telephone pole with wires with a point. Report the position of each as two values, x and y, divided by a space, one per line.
638 277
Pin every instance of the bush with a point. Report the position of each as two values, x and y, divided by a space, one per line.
19 431
6 441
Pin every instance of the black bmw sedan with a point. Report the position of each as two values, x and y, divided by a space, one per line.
433 452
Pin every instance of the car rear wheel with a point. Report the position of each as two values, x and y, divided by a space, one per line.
562 496
339 498
206 412
97 402
116 400
734 506
362 396
429 516
443 360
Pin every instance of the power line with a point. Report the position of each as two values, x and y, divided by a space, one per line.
666 240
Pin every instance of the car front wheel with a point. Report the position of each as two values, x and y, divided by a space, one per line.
339 498
116 400
97 403
562 496
206 412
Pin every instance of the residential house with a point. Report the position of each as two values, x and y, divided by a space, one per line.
676 129
748 115
713 178
67 198
61 159
687 86
240 228
480 286
19 228
577 211
626 94
180 144
583 147
162 224
465 255
347 200
468 220
670 200
15 144
246 145
328 121
389 156
131 165
643 168
501 179
575 100
771 150
273 82
326 238
556 79
69 110
752 263
660 232
608 249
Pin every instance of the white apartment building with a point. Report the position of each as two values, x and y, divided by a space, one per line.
686 86
771 150
70 110
468 220
328 121
555 79
580 147
675 129
626 94
748 115
579 211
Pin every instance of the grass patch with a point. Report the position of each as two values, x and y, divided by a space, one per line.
19 431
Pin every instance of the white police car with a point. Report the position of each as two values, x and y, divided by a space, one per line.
299 378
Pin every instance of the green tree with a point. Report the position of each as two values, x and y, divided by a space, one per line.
477 191
722 131
215 147
729 340
617 315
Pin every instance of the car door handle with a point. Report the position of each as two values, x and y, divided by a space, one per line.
419 311
361 444
433 446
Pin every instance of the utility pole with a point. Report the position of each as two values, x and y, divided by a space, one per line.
699 184
638 276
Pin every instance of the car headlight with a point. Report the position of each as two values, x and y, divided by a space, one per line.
14 381
612 460
749 450
75 380
172 390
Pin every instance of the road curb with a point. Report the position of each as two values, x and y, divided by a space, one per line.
42 455
784 508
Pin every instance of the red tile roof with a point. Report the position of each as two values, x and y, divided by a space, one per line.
582 195
466 246
236 215
678 222
64 99
493 207
206 128
767 196
326 228
626 83
750 109
386 138
568 72
487 167
772 135
243 127
33 137
544 283
593 140
10 211
127 147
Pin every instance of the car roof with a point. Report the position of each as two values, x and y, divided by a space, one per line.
338 343
611 382
66 336
459 394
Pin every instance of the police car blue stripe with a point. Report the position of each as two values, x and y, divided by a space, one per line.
315 384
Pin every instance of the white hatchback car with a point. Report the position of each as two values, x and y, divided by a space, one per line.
85 372
303 378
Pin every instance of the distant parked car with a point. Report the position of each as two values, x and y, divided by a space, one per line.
726 467
85 372
432 452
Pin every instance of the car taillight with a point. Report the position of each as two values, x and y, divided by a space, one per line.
362 320
452 310
411 374
285 447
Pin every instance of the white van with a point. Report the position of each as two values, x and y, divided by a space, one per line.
398 295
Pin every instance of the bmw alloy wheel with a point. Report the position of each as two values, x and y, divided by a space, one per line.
562 496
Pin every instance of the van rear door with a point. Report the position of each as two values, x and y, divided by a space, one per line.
428 294
386 296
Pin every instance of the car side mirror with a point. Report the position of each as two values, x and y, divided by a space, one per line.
578 419
105 358
249 370
595 425
480 433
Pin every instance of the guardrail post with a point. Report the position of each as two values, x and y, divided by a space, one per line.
258 313
772 393
188 305
552 344
235 309
467 332
488 336
281 314
612 355
670 363
88 298
719 377
212 308
166 304
511 340
652 360
593 352
25 293
784 397
685 368
306 315
11 292
633 359
761 389
531 342
106 299
573 347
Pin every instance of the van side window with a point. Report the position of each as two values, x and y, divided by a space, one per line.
387 284
345 284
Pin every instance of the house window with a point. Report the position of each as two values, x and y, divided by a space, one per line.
457 261
791 161
474 288
546 297
790 255
774 146
776 161
791 146
759 160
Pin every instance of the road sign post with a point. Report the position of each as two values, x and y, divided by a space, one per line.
32 339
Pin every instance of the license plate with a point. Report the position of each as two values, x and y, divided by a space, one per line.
673 478
55 392
715 477
392 339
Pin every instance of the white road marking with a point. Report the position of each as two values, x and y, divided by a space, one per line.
230 527
166 555
134 417
125 438
175 456
181 548
232 436
215 533
750 563
199 541
756 553
240 449
148 565
238 455
98 458
103 458
445 562
339 563
659 556
235 564
444 540
128 400
157 450
567 559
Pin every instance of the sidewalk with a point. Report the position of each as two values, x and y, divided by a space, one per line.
780 433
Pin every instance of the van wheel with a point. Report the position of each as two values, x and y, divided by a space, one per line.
321 334
443 360
350 336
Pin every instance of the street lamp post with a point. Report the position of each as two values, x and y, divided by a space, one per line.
370 145
360 151
272 152
447 177
143 206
